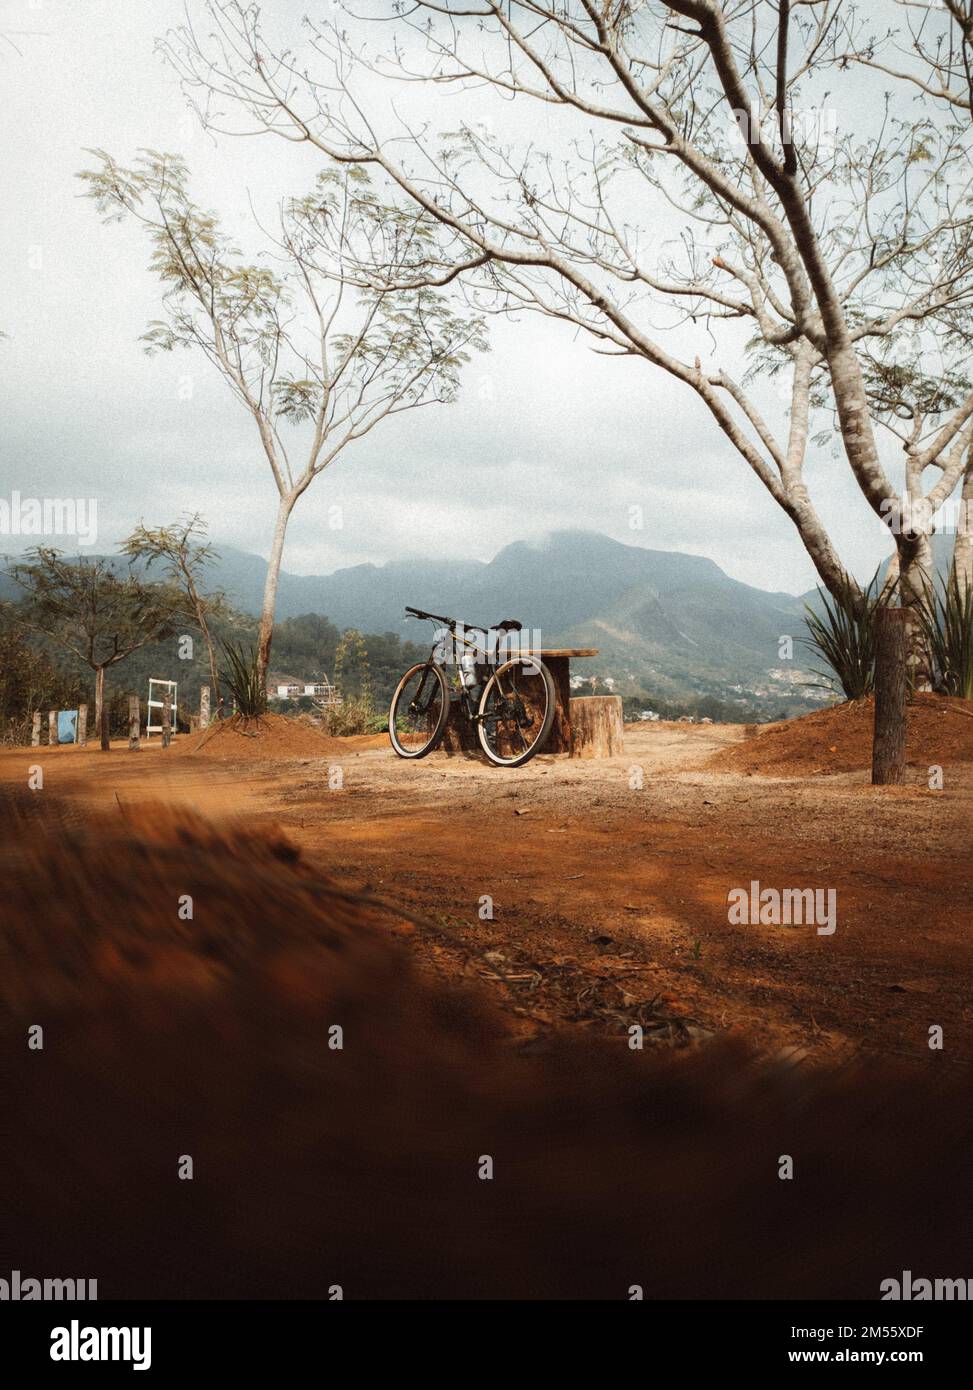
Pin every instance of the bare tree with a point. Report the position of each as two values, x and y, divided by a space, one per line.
928 51
183 552
299 341
696 191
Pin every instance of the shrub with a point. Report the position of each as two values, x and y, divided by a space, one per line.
243 679
948 629
353 716
844 637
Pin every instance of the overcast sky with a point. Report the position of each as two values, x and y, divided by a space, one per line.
545 434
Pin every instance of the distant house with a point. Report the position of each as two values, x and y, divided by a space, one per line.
321 691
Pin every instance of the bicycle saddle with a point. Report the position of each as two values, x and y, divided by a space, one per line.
509 625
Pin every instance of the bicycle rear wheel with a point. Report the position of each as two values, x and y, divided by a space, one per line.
419 710
516 711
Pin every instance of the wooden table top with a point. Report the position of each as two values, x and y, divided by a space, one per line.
563 651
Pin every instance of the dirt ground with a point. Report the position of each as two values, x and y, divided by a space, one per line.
608 880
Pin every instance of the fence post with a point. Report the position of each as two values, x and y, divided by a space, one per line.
82 726
204 707
166 718
35 733
133 722
103 732
891 692
52 737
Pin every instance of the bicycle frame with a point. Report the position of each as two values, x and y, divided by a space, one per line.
486 693
457 629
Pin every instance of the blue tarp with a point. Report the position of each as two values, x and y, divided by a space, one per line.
67 725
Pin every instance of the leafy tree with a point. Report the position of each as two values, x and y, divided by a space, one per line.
315 353
183 552
99 616
352 673
29 680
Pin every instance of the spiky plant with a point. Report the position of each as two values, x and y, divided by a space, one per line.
947 625
843 636
242 677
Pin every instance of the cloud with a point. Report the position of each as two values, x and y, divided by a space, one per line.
546 433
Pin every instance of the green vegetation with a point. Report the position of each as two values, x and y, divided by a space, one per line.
242 678
844 637
948 630
34 674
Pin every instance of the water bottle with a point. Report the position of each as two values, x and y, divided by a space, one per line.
467 672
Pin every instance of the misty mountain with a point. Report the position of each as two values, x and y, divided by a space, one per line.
662 620
672 622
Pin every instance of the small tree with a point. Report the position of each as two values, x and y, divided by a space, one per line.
353 678
28 680
97 615
183 552
299 345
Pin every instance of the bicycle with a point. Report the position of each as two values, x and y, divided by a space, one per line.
510 702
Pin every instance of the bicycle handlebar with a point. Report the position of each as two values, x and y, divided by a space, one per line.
449 622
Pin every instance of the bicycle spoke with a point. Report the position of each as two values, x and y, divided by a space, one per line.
418 710
513 722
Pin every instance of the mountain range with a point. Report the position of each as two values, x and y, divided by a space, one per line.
663 621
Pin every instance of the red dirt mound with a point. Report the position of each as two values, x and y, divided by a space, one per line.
211 1036
839 739
269 737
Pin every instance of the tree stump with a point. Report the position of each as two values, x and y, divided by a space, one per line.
560 739
204 713
459 735
891 694
597 729
82 726
35 732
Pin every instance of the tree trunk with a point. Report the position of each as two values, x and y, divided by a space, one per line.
52 737
35 733
204 707
82 726
211 651
963 545
597 730
103 726
199 608
166 718
133 722
269 606
891 694
916 571
99 694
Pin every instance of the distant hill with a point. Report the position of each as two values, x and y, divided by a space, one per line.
663 621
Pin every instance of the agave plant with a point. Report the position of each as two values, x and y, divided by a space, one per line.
843 636
947 625
243 679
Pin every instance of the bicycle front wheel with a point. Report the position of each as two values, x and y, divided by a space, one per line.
419 710
516 711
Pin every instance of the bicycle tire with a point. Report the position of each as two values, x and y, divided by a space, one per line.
437 732
540 669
